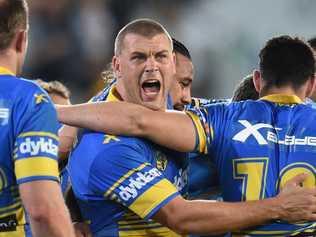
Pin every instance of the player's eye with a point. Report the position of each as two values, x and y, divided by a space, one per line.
138 57
185 83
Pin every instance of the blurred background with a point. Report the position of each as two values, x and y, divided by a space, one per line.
72 40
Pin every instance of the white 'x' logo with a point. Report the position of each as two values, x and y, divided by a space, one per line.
251 130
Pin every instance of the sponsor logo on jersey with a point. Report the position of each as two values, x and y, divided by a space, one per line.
252 130
4 116
41 145
181 180
8 223
137 182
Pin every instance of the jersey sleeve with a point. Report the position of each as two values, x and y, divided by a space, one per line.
126 177
36 145
204 132
210 122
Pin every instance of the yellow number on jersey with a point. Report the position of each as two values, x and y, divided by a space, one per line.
252 172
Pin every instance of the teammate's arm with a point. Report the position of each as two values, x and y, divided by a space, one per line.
36 170
45 206
67 135
172 129
203 217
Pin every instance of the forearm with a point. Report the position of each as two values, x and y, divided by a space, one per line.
46 209
293 204
109 117
53 225
203 217
174 130
221 217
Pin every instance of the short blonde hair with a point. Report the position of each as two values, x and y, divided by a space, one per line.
54 87
144 27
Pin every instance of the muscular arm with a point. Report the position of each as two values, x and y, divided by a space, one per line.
172 129
206 217
46 209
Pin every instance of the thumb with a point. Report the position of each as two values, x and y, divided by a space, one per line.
297 180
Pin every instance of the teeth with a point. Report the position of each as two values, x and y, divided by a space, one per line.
151 81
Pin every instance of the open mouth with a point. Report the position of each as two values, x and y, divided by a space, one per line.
150 89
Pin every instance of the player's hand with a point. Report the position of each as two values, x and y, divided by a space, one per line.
82 229
297 203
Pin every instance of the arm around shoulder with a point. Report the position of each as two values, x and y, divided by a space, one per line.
174 130
209 217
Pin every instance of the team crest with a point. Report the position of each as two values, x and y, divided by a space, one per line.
161 161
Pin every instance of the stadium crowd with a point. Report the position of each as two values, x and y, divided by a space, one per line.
142 157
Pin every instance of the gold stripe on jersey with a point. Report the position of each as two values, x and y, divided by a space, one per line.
159 232
20 217
133 225
113 95
36 166
125 176
282 99
139 225
19 232
131 221
45 134
305 229
5 71
202 147
152 197
11 209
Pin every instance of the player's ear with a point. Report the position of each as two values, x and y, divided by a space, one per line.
257 80
116 66
174 58
311 86
20 41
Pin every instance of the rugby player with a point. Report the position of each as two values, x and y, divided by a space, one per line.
31 203
176 130
203 183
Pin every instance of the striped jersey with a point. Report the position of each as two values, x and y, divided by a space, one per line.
257 146
29 147
121 182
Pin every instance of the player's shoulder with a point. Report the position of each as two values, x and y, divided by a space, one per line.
118 151
202 102
243 105
20 83
23 92
23 88
125 143
231 110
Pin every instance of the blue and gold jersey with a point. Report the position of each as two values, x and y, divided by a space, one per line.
121 182
257 146
203 178
29 146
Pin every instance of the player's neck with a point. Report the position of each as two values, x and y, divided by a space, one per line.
286 90
8 62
